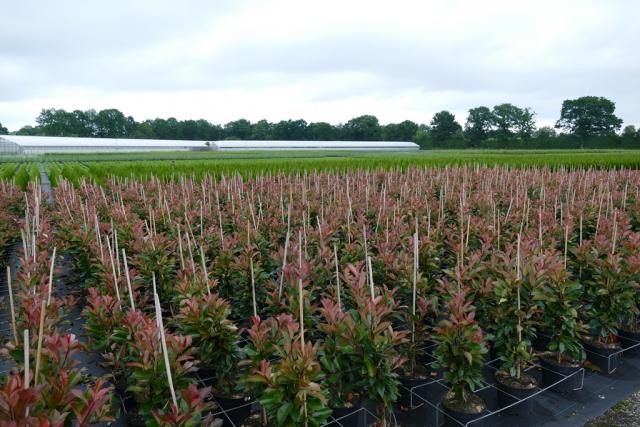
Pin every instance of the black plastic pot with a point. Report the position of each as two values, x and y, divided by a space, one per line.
454 418
628 339
131 413
553 373
541 342
405 399
353 416
521 397
236 409
605 358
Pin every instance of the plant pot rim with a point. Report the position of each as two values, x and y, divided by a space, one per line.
595 343
630 331
515 384
550 357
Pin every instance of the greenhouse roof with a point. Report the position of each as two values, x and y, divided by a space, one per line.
50 144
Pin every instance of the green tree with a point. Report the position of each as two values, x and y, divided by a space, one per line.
29 130
444 127
545 132
112 123
144 130
362 128
58 122
3 130
238 129
629 131
589 116
262 131
510 120
290 130
478 126
322 131
403 131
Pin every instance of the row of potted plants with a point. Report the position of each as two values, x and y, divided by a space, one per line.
225 251
46 386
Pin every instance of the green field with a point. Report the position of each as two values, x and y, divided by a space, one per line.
167 165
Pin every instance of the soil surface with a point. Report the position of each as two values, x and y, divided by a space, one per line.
473 405
625 413
526 381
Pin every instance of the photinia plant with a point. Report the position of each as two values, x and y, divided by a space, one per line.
206 320
558 299
191 405
514 327
361 352
292 394
460 348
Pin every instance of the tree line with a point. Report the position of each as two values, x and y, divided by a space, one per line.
586 122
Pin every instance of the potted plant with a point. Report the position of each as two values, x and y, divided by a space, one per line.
292 394
188 413
416 370
558 299
629 328
362 349
513 333
263 337
609 297
460 350
206 319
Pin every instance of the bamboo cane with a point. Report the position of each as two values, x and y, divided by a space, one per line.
53 259
163 342
370 278
113 271
126 273
43 307
253 288
204 271
11 307
335 255
25 345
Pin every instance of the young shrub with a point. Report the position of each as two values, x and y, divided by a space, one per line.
192 403
461 351
558 299
361 352
292 393
206 320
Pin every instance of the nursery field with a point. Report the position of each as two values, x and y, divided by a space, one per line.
198 164
348 290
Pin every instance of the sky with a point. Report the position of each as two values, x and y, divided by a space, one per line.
316 60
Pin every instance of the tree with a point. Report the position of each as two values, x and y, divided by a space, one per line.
510 121
545 132
290 130
29 131
403 131
238 129
3 130
362 128
112 123
262 131
444 127
478 126
144 130
589 116
629 131
58 122
322 131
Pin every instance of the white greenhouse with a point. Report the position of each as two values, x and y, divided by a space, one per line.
13 144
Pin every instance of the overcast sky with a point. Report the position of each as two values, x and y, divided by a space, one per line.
316 60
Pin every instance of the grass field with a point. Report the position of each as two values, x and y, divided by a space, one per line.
101 166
